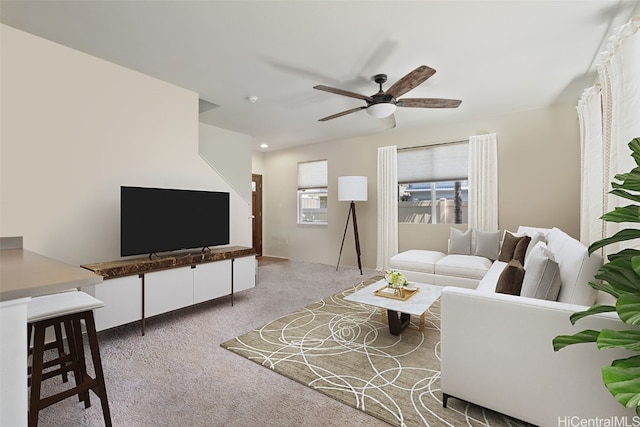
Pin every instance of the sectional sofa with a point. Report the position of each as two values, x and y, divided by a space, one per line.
496 348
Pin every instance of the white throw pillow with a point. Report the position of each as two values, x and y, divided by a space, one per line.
487 244
542 249
530 231
459 242
542 275
537 237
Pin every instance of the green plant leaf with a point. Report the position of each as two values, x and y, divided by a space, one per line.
628 308
629 340
620 276
628 213
622 379
605 287
625 194
594 309
625 254
588 335
635 265
629 181
620 236
634 146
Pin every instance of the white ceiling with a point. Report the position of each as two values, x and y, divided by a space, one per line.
496 56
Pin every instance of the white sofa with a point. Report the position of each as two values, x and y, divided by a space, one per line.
497 352
436 268
466 264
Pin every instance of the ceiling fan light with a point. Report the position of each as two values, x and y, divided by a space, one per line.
381 110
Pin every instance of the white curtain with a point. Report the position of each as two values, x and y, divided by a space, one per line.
619 80
594 181
387 206
483 182
621 67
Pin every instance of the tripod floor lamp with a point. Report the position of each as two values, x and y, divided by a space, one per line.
352 189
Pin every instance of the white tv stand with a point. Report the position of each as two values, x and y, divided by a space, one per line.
136 289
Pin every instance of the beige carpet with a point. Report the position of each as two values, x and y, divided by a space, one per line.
178 375
344 350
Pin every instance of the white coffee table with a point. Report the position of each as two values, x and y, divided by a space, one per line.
399 312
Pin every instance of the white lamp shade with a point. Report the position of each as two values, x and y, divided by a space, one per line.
381 110
352 188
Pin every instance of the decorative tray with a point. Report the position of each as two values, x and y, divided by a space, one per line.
388 292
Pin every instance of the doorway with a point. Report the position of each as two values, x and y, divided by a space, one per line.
256 212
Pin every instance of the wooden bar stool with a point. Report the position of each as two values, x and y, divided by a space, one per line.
68 309
58 344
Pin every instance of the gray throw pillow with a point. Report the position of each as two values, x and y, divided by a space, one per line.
459 242
542 277
487 244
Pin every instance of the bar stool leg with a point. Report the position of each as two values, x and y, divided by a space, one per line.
75 360
36 375
97 366
60 346
77 333
30 351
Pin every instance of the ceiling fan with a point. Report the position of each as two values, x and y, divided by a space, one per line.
383 104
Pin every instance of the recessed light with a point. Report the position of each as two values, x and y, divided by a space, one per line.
252 98
264 145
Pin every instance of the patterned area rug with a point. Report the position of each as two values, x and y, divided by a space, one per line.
344 350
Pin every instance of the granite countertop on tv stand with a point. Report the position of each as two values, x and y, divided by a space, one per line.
129 267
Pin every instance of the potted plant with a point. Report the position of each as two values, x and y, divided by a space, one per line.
619 277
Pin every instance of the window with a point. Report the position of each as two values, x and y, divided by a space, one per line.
312 192
433 202
432 184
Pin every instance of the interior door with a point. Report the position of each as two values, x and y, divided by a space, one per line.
256 196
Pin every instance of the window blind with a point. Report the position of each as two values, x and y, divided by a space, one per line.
312 174
447 162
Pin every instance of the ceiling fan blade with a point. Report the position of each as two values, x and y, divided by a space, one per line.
344 113
342 92
428 103
411 80
389 122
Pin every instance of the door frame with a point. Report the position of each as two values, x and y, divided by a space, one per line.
256 211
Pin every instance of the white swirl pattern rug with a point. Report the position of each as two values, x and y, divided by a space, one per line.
344 350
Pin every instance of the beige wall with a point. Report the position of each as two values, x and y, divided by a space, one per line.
539 184
229 154
283 237
75 128
256 163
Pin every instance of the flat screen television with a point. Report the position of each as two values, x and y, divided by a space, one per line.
154 220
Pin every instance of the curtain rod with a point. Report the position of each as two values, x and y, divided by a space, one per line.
434 145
